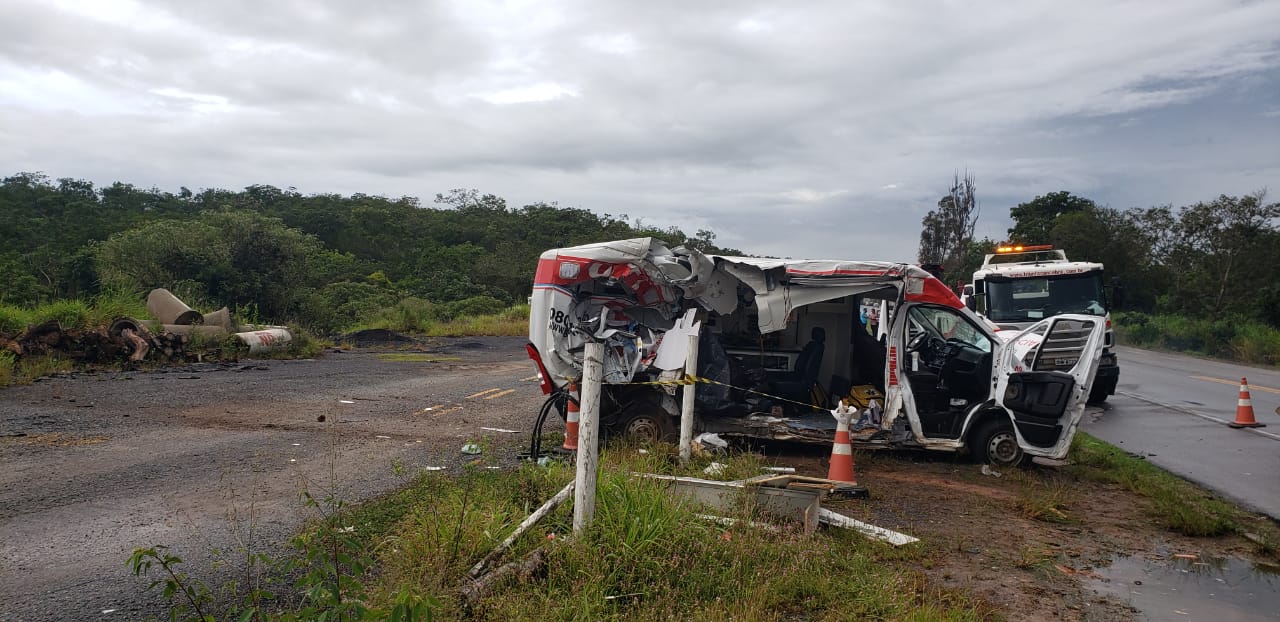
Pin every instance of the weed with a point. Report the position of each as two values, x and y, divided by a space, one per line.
195 595
7 362
646 556
32 367
1043 496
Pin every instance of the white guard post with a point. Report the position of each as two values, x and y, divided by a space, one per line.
584 490
686 409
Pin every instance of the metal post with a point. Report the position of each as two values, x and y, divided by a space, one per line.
584 490
686 409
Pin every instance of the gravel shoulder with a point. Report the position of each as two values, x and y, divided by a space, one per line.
196 458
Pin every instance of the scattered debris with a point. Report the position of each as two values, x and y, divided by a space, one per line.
345 402
434 468
714 469
711 443
776 469
503 430
471 449
522 570
480 584
987 470
866 529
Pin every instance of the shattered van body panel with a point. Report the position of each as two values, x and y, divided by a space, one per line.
641 298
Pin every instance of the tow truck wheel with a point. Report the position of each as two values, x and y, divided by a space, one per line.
995 443
1097 395
644 422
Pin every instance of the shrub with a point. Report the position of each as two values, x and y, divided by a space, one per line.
476 305
13 319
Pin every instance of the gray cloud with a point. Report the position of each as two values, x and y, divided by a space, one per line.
824 128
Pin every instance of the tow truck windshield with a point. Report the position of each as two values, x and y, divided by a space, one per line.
1033 299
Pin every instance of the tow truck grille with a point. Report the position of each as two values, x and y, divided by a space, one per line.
1063 346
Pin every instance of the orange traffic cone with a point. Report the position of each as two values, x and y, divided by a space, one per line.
571 419
842 451
1244 409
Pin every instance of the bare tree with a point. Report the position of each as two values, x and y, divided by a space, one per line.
947 232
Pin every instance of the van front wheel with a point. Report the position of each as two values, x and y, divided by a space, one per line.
643 421
995 443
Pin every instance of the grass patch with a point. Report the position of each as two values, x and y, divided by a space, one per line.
69 314
29 368
13 319
1047 502
481 316
1173 501
8 362
416 358
647 555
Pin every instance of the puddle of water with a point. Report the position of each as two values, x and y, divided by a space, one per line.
1218 589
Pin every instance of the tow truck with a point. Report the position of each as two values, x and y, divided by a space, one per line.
1020 285
780 342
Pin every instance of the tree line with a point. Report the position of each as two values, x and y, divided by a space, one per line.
1208 260
320 260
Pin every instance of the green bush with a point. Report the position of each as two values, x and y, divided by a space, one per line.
13 319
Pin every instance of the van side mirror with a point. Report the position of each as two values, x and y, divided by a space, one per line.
970 301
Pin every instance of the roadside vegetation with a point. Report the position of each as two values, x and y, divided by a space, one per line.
648 555
1232 338
652 555
328 263
1179 505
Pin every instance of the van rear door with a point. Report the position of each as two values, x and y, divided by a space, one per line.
1043 378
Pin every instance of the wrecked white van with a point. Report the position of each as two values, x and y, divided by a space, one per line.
781 341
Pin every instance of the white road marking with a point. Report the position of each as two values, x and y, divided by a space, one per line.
1188 411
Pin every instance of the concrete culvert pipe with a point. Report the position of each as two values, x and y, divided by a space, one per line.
165 307
220 318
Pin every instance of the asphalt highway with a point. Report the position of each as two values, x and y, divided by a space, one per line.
1173 409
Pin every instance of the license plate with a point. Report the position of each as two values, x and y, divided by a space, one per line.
1064 362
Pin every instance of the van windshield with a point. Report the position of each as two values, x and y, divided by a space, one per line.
1031 299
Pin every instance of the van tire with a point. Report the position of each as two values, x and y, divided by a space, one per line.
994 442
643 421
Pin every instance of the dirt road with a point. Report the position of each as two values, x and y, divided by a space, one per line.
95 465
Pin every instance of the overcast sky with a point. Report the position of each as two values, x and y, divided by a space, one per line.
805 129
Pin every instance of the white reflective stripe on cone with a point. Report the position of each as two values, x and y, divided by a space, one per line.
841 449
1245 402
